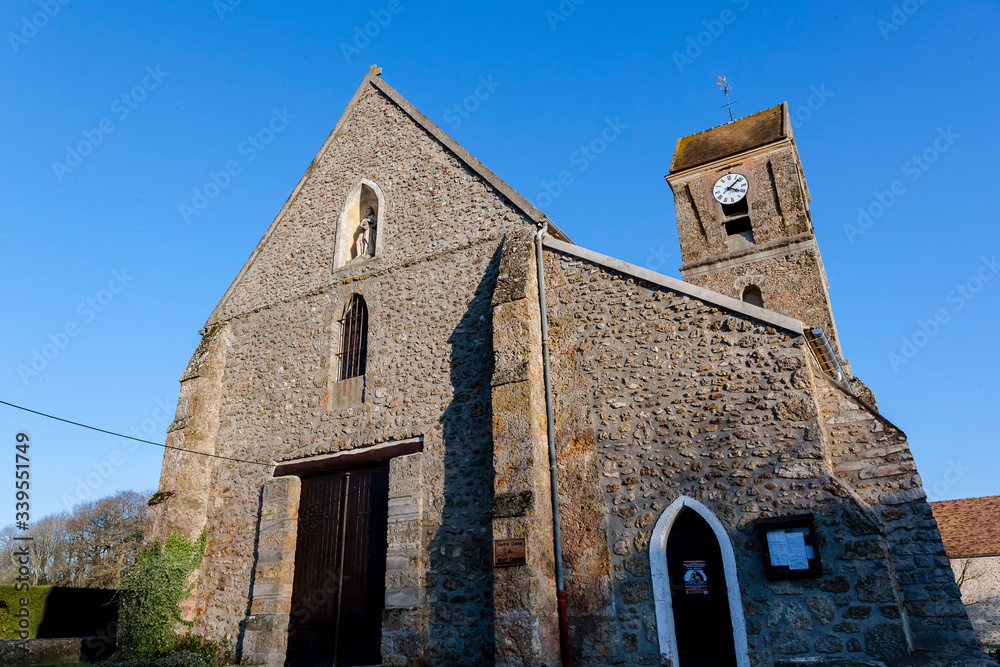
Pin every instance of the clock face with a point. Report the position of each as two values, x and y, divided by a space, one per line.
730 188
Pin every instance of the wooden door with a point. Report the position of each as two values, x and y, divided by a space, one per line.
338 592
699 595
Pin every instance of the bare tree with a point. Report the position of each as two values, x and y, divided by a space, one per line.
89 547
964 576
47 553
106 534
8 563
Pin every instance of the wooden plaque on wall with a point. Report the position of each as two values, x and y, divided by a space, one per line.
507 553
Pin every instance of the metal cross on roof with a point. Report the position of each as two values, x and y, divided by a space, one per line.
725 89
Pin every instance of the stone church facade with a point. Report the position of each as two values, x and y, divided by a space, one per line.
378 382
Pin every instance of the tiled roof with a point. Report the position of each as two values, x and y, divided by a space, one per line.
762 128
970 526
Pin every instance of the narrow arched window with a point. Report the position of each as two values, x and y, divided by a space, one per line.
353 338
752 295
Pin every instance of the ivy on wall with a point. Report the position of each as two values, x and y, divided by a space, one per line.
150 596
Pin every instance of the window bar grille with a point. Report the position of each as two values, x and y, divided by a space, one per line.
354 338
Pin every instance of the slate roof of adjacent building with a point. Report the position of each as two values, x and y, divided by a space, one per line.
969 526
759 129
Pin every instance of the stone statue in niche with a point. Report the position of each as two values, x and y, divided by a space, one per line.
365 245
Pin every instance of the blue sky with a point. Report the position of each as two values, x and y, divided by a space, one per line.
161 95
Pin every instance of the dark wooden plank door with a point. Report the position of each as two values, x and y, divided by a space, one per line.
338 592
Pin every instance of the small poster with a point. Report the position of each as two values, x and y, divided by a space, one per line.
777 548
788 548
695 580
795 549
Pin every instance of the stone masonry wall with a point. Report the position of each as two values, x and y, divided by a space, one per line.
429 363
670 396
186 478
405 602
873 459
525 612
979 579
430 360
434 205
266 631
779 211
792 284
584 512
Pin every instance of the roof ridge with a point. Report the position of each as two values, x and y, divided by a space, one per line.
731 122
959 500
701 293
374 78
464 155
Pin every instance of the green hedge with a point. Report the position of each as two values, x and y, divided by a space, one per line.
57 611
10 604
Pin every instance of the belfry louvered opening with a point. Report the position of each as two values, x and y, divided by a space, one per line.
353 338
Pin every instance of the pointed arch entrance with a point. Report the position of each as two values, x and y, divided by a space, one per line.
688 532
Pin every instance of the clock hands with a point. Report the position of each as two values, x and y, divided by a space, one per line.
737 185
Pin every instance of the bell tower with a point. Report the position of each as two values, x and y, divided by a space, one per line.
743 217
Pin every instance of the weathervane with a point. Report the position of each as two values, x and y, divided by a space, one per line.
725 89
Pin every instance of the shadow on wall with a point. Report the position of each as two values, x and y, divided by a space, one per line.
460 572
242 628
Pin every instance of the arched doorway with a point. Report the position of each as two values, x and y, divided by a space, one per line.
699 612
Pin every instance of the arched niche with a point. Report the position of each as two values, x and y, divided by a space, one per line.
351 225
753 296
665 626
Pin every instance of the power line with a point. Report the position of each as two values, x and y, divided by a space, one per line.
129 437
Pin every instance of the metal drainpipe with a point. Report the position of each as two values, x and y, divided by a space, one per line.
557 533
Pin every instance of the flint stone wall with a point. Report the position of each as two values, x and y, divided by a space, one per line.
872 458
660 395
430 361
792 283
434 205
428 375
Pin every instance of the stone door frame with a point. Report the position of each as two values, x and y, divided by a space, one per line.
266 636
661 581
